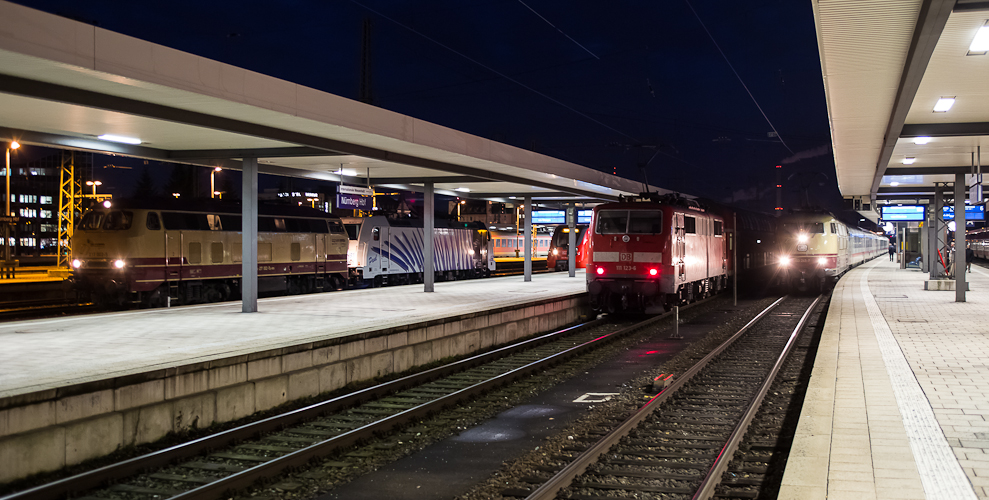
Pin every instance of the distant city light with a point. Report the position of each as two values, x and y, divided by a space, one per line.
921 140
944 104
119 138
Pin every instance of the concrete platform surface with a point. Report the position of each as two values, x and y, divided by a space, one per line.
50 353
898 401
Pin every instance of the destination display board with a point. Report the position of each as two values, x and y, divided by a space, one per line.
559 217
972 212
902 213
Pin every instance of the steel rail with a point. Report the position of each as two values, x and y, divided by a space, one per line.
301 457
714 475
565 477
95 478
114 472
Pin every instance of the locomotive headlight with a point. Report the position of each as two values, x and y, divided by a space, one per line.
556 251
822 261
802 238
119 264
76 263
470 252
784 261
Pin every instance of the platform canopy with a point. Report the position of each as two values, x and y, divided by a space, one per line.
64 83
886 64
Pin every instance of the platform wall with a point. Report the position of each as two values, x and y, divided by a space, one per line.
48 430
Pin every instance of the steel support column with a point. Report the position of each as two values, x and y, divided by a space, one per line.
428 214
528 238
249 240
959 256
572 242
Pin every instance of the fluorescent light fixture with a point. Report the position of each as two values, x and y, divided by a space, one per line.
981 41
909 160
921 140
894 183
119 138
462 190
944 104
349 172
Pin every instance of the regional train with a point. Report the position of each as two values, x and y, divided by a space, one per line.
511 244
557 257
818 249
169 253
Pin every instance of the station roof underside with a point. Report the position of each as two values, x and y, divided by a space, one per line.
885 65
63 83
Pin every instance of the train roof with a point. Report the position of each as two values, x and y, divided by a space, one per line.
410 222
216 207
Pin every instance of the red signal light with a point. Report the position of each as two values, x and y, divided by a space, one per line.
654 272
600 270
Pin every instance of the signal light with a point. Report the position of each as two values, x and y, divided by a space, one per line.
600 270
653 272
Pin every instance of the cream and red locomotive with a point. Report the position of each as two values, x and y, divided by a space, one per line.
649 251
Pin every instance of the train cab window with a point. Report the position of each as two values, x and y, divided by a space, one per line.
612 221
153 223
214 222
232 222
834 228
335 227
376 234
280 225
719 228
807 227
91 221
118 220
352 230
689 224
645 222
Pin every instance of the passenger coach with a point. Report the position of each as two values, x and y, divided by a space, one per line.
654 251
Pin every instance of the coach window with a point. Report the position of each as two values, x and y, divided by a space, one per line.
153 222
376 234
689 225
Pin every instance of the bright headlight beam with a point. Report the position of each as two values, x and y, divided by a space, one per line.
119 138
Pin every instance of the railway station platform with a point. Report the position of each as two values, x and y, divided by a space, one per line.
898 401
80 387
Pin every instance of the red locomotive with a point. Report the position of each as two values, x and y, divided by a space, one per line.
557 258
649 250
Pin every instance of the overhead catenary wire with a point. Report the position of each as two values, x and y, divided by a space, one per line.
558 29
715 42
502 75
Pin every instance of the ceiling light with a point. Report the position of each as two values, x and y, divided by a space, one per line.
894 183
462 190
909 160
119 138
921 140
944 104
981 41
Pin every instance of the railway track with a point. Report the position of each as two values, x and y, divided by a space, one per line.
209 467
683 442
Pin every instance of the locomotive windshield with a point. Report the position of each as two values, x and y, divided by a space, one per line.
352 230
91 221
806 227
562 236
630 222
117 220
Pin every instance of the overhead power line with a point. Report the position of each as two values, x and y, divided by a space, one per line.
561 31
715 42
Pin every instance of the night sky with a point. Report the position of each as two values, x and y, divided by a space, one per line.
601 84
